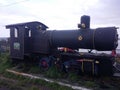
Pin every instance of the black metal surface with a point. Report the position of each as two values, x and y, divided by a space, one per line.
102 39
16 44
42 41
85 20
87 55
29 24
105 67
103 63
106 38
25 44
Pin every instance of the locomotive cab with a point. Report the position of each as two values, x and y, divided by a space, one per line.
21 36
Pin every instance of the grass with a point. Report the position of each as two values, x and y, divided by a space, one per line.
34 69
73 77
53 73
4 62
90 84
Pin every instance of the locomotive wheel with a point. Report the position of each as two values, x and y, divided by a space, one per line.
44 64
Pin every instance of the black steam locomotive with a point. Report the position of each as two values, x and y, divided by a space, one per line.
32 40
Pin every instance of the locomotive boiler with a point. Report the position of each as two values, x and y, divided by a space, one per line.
33 39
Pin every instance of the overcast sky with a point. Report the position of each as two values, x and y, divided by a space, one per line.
59 14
